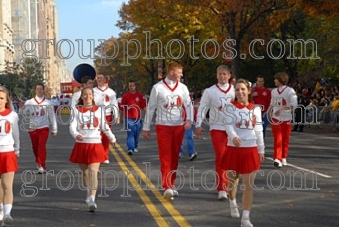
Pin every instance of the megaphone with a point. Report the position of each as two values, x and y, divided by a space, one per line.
82 70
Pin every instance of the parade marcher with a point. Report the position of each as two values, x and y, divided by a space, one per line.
262 96
283 102
245 149
88 150
41 117
109 100
216 98
9 152
132 103
171 101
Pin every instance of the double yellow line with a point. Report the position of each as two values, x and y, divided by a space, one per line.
155 212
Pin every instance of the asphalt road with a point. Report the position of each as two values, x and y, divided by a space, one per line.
302 194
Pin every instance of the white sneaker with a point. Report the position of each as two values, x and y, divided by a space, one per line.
1 215
87 199
245 222
106 161
175 193
92 206
234 211
40 169
168 194
130 152
193 156
135 150
8 220
222 195
284 162
277 163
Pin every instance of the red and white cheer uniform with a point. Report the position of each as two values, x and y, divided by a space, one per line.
216 98
281 125
9 141
244 122
108 98
89 123
173 107
41 117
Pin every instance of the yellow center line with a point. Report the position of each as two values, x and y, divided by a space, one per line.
158 217
166 203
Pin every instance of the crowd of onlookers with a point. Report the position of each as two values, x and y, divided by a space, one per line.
322 101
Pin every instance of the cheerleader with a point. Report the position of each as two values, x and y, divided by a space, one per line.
171 103
107 97
42 120
283 101
88 151
9 151
215 98
245 148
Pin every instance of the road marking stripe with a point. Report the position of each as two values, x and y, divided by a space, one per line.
158 217
308 170
176 215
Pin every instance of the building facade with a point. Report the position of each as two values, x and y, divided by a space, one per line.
6 34
29 29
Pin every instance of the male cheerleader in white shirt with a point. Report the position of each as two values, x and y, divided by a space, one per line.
108 98
216 98
171 101
41 117
283 101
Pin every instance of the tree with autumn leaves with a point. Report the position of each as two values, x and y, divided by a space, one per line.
203 34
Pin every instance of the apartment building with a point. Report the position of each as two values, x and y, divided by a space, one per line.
29 28
6 34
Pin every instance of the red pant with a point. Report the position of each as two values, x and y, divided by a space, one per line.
281 133
219 140
169 142
39 139
104 139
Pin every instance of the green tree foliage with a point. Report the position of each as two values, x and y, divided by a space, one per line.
21 79
12 79
145 23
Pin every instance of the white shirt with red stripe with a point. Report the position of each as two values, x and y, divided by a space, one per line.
89 122
9 131
41 114
108 98
215 98
281 97
172 103
245 122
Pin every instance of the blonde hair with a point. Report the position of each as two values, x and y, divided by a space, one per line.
224 67
9 101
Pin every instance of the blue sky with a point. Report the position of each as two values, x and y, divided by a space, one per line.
86 19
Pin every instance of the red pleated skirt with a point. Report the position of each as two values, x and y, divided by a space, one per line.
8 162
242 160
87 153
